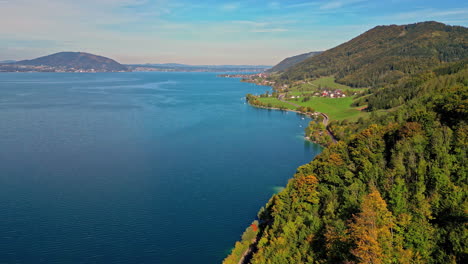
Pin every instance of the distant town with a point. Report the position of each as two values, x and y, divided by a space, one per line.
85 62
264 79
44 68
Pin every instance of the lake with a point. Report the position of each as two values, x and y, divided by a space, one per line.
136 167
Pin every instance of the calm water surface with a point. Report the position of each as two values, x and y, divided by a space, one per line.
136 167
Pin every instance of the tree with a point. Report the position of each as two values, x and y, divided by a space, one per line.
371 231
301 109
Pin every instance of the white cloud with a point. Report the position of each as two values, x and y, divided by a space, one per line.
339 4
261 26
274 5
301 5
332 5
231 6
268 30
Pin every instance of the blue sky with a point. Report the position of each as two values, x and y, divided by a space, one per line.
203 32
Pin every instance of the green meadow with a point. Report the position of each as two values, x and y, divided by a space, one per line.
323 82
335 108
276 103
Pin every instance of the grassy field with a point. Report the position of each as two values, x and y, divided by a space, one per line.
276 103
329 82
335 108
324 82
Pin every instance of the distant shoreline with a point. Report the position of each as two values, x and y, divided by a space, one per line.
129 68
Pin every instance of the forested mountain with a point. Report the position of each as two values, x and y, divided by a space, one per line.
291 61
385 54
77 61
405 89
393 191
394 188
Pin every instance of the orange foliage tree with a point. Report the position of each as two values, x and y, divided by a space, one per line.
371 231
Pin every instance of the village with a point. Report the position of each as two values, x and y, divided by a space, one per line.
282 91
324 93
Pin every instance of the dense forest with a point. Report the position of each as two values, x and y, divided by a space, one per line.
406 88
385 54
393 189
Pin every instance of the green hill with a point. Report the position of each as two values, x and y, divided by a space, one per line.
384 54
291 61
393 191
76 60
394 188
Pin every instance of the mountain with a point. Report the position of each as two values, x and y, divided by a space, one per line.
7 61
394 191
76 61
394 187
384 54
291 61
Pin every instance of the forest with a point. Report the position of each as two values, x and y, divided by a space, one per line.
393 189
385 54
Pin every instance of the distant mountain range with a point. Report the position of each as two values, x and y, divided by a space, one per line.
291 61
85 62
197 68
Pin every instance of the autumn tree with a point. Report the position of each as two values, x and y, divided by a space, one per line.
371 231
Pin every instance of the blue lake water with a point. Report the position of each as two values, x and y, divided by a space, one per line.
136 167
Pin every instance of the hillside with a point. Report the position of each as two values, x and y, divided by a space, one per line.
76 61
393 190
385 54
291 61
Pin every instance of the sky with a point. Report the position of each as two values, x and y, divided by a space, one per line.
254 32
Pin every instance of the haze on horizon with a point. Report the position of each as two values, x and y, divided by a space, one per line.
260 32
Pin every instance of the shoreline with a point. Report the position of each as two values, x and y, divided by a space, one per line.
311 116
326 118
247 253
